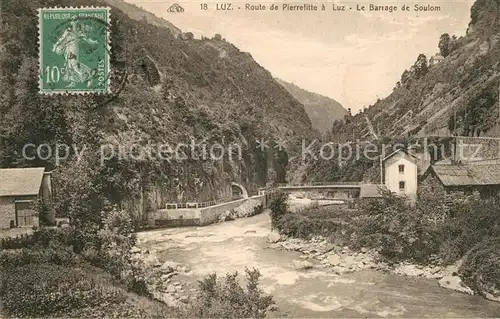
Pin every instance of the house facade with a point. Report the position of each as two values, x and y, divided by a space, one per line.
20 188
400 171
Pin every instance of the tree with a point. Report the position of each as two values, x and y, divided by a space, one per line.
280 163
444 44
454 44
348 117
421 66
217 37
279 207
398 85
337 126
405 78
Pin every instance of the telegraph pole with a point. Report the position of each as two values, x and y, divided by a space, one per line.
381 170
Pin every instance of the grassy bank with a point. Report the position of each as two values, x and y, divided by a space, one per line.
47 274
62 272
55 282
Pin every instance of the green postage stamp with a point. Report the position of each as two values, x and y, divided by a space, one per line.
74 50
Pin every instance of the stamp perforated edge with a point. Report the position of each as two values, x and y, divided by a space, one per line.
108 52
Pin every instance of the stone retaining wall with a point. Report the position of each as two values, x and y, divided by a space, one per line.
203 216
210 215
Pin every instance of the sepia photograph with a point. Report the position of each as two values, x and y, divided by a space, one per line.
249 159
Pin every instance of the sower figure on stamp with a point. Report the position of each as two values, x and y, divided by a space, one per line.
67 45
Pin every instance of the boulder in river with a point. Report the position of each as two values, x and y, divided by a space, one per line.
301 264
226 216
169 267
455 283
408 270
135 250
150 260
273 237
334 260
171 289
168 276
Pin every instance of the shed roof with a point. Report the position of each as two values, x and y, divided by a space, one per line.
468 174
371 190
20 181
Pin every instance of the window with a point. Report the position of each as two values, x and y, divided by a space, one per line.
401 186
24 213
401 169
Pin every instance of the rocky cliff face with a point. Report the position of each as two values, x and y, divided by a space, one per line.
459 94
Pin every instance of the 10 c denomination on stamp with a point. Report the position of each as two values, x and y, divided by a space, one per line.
74 50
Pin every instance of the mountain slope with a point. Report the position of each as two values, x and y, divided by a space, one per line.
168 90
137 13
459 94
322 110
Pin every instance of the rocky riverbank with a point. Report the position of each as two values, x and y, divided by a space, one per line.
320 253
249 208
160 278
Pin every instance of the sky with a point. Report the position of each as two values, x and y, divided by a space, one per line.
351 56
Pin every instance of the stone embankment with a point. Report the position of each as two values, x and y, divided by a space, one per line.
160 278
320 253
248 208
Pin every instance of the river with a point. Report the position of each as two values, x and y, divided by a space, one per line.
318 293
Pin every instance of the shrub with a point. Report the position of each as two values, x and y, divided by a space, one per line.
44 237
278 207
47 289
116 239
481 270
258 209
111 250
25 256
399 231
44 209
21 241
448 227
313 220
128 309
225 298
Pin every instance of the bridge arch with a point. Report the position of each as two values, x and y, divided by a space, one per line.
241 189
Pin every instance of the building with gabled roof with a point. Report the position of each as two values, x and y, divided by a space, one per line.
400 174
371 191
482 177
20 188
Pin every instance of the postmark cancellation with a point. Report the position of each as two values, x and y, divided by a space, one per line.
74 50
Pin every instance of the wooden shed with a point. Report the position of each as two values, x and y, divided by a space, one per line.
20 188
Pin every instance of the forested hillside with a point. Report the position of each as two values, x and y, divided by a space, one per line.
322 110
458 94
168 88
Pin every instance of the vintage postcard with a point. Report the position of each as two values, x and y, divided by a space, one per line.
74 50
250 159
